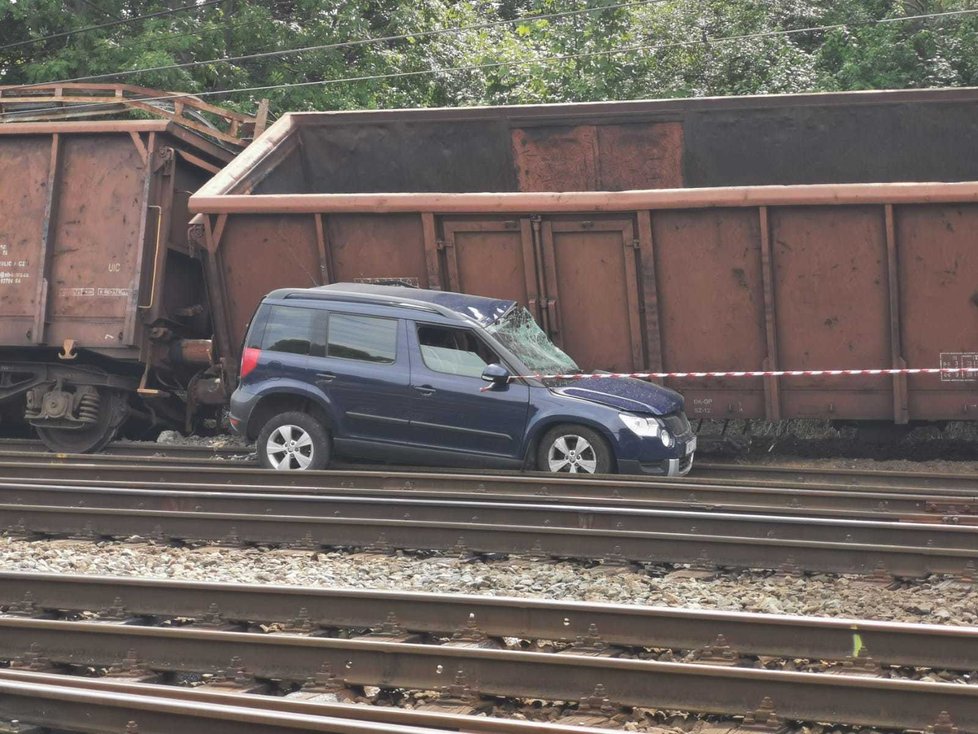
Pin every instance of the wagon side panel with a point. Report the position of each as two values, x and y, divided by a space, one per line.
96 245
938 267
24 192
711 306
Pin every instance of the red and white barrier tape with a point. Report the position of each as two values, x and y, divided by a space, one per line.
761 373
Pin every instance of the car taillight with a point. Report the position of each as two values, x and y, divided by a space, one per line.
249 360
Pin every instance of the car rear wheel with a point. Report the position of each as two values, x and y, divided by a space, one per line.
293 441
574 450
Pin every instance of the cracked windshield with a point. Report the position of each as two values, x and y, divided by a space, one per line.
523 337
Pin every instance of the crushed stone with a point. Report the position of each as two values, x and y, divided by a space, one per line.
937 600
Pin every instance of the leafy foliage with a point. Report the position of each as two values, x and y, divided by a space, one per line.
497 51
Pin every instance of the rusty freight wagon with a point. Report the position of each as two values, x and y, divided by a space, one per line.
758 233
103 312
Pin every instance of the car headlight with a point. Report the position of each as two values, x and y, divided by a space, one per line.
647 426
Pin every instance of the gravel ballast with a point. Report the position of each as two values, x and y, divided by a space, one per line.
936 600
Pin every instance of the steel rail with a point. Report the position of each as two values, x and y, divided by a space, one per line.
731 472
722 473
76 709
428 720
121 469
702 688
21 448
858 505
608 545
152 452
916 645
524 514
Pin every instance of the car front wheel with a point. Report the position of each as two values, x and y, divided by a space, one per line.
293 441
574 450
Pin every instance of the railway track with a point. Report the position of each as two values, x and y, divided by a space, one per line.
658 522
580 531
112 703
145 450
394 656
851 505
958 500
722 472
477 619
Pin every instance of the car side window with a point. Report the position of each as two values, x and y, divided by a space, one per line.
366 338
293 330
454 351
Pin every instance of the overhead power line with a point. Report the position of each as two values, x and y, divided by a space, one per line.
531 62
110 24
172 35
349 44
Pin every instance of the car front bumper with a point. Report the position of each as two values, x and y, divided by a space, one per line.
676 465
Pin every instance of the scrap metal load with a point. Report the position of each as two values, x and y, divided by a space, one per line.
745 234
758 233
103 309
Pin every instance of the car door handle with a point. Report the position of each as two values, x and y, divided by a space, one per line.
326 376
425 390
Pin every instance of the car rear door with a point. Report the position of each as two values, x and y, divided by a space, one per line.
450 409
365 375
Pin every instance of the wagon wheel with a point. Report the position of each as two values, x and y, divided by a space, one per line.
112 410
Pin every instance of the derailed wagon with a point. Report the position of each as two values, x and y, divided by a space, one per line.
103 304
642 236
645 236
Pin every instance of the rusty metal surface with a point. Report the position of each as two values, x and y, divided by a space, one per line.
599 157
24 171
484 511
715 253
727 141
923 507
831 305
725 273
34 102
938 262
725 279
68 708
801 696
90 245
20 459
938 646
96 242
436 720
838 556
590 276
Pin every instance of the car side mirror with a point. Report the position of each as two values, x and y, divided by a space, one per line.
495 374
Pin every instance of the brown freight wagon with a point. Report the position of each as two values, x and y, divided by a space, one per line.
645 235
103 310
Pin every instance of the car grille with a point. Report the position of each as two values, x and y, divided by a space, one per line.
677 423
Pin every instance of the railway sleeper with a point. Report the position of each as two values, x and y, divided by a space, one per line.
883 562
485 622
470 679
391 630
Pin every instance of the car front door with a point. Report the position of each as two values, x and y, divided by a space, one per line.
365 375
451 411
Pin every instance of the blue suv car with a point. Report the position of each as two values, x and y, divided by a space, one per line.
403 375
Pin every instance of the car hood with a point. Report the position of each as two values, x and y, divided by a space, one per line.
634 396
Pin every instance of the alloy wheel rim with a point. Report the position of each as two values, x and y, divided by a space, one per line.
289 447
572 454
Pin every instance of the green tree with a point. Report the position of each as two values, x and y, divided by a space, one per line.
497 51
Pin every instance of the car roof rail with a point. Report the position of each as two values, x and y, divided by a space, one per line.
372 298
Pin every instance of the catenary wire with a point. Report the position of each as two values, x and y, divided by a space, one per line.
171 35
112 23
529 62
346 44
